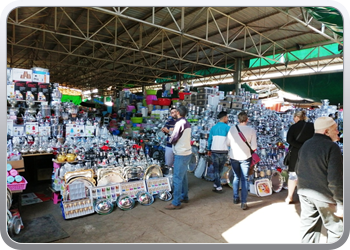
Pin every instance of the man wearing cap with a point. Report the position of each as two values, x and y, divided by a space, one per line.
320 187
217 148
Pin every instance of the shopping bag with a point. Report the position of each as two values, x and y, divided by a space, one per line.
200 169
209 174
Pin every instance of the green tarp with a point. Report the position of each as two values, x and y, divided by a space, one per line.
76 99
315 87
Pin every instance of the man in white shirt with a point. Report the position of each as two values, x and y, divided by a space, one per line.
240 157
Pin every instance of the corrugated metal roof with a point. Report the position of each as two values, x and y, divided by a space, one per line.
89 47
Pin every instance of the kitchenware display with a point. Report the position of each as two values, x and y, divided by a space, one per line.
153 171
276 181
132 188
154 186
164 195
110 192
144 198
103 206
76 208
125 202
14 224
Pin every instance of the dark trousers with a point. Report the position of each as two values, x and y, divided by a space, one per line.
313 214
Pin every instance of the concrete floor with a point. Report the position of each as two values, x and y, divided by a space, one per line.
207 218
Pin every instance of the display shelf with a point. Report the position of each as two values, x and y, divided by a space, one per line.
25 155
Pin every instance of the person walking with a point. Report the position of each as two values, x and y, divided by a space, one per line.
217 148
297 134
181 144
320 183
240 157
168 129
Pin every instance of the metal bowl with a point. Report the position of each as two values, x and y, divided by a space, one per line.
125 202
144 198
165 195
103 206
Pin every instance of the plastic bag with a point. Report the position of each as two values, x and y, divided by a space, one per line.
209 172
201 166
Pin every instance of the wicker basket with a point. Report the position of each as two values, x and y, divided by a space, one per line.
17 186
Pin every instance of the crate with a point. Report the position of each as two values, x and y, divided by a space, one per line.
17 186
225 104
203 95
205 90
202 102
236 105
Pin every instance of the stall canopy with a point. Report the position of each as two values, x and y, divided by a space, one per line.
315 87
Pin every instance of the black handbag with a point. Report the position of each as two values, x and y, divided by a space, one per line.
286 159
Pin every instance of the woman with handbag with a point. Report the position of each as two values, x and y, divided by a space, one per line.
242 141
297 134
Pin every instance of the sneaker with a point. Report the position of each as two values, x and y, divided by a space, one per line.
219 191
244 206
215 186
184 201
171 206
236 201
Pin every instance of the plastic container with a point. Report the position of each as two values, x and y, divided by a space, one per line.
164 101
18 186
182 95
151 92
136 119
175 100
130 108
151 97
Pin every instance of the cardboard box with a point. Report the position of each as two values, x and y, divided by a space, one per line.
18 165
21 86
22 74
40 76
187 98
205 90
201 102
44 92
225 104
33 87
202 96
236 105
10 91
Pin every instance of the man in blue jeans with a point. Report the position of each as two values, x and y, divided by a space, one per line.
217 148
181 141
241 157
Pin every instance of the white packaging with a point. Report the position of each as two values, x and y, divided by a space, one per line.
22 74
213 100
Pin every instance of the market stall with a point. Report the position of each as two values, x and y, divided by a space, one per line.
94 169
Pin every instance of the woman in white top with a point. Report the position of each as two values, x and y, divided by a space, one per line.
240 157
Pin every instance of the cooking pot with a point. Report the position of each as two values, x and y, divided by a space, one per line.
61 157
70 156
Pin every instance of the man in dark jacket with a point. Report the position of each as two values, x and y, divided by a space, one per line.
320 183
